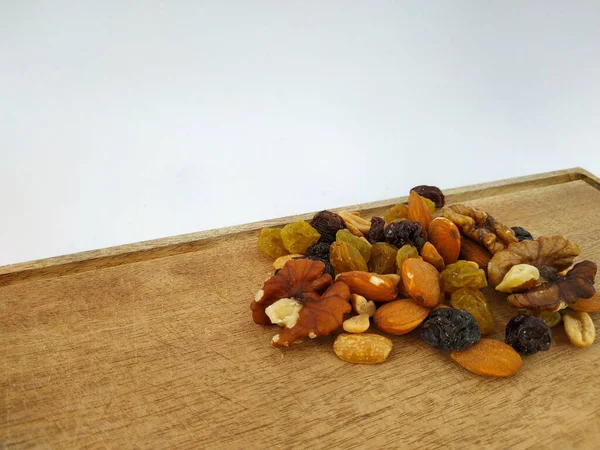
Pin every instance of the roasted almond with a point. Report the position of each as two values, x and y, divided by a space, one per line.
364 348
422 282
445 237
418 210
591 304
472 251
399 317
372 286
430 254
490 358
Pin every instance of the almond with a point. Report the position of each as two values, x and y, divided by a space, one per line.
591 304
422 282
418 210
399 317
430 254
362 348
490 358
372 286
445 237
472 251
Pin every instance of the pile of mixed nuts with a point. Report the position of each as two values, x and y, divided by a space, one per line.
423 264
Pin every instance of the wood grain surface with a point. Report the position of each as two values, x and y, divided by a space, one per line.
157 349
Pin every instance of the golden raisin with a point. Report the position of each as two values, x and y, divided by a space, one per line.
298 236
475 303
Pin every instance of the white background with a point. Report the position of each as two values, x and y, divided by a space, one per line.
125 121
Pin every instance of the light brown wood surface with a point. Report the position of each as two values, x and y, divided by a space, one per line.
152 346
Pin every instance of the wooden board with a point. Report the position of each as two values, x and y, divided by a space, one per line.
152 345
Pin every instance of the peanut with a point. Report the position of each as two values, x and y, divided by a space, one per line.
363 348
580 328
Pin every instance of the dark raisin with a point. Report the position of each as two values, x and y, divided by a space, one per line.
320 250
405 232
433 193
315 257
450 329
522 234
528 334
327 223
375 233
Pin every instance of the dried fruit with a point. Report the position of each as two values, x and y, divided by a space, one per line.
475 303
356 224
361 305
405 252
490 358
431 255
579 328
558 292
471 251
300 279
421 281
280 262
396 212
528 334
361 244
480 226
399 317
383 258
547 253
298 236
318 316
430 205
550 318
462 274
357 324
522 234
445 237
405 232
345 258
362 348
432 193
418 211
591 304
327 223
519 278
373 286
375 233
450 329
320 250
269 242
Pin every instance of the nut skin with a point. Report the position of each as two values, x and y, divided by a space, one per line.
363 348
372 286
399 317
472 251
490 358
422 282
445 237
